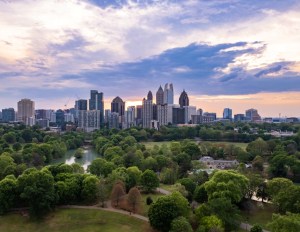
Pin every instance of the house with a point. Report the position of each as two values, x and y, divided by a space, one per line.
218 164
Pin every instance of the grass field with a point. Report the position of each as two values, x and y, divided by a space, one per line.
260 214
150 145
75 220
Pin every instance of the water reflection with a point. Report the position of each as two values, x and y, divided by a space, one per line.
88 156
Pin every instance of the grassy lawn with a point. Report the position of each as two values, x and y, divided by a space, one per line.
241 145
260 214
167 187
146 207
150 145
75 220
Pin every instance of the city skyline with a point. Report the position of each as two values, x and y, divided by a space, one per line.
235 54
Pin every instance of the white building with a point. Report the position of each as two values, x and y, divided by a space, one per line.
89 120
188 112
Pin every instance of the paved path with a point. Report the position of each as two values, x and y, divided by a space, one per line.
163 191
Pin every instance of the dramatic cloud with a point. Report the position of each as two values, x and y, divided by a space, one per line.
52 50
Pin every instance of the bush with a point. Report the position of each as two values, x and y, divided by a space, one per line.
149 201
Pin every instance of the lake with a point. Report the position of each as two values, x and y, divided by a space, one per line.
89 155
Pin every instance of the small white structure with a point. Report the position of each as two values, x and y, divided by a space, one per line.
218 164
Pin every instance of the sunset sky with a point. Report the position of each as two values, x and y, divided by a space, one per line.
225 53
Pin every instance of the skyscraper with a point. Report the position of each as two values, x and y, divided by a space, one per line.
227 113
160 96
26 112
118 106
169 94
81 104
96 103
184 99
129 117
252 115
8 115
147 111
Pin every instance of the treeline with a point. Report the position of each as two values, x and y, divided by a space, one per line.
21 148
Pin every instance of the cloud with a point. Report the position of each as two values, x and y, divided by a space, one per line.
127 47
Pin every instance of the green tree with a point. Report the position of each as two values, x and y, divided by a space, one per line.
285 223
258 147
8 191
149 180
101 167
227 184
181 224
37 189
7 165
134 176
89 192
258 163
162 212
211 223
256 228
200 194
79 153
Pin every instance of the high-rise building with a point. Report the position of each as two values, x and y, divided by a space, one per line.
118 106
150 96
147 111
81 104
227 113
239 118
26 111
154 117
162 114
211 115
113 121
96 103
41 114
107 115
89 120
178 116
188 112
60 117
184 99
8 115
69 117
139 115
129 117
252 115
160 96
169 94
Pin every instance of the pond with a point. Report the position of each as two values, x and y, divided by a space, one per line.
88 156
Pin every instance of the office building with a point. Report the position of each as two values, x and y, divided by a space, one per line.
162 114
178 115
184 99
239 118
160 96
118 106
96 102
81 104
188 112
41 114
129 117
210 116
139 115
89 120
227 113
169 94
113 122
8 115
60 118
252 115
26 111
147 111
69 117
42 123
107 115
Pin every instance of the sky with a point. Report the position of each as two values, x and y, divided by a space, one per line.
224 53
